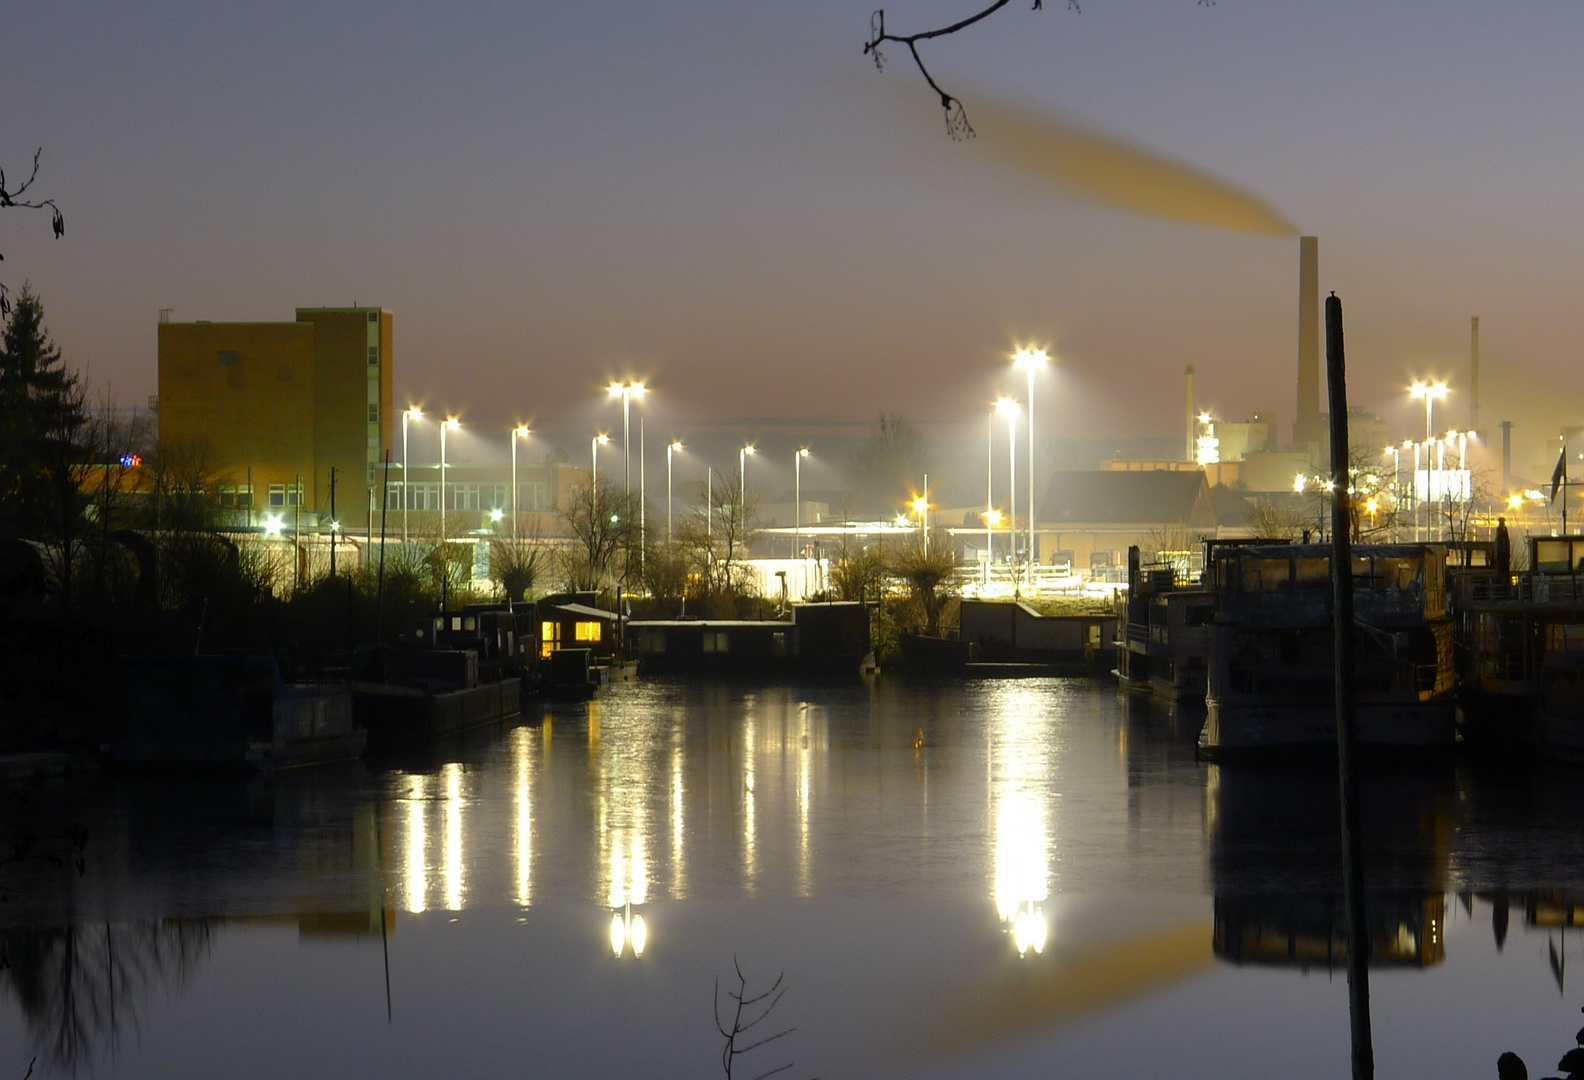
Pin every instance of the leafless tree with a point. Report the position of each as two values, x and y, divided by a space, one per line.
716 541
957 125
746 1011
932 577
18 198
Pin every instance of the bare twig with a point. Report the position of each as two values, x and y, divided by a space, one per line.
750 1010
11 198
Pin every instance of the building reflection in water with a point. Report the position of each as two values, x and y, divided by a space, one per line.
1276 867
1017 760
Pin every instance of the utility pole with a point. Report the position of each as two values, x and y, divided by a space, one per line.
334 526
1342 649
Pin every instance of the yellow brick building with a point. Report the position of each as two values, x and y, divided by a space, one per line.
274 406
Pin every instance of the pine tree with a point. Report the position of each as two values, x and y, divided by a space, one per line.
43 425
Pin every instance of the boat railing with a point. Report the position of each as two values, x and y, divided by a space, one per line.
1527 589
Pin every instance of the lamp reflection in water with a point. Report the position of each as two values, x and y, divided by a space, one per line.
522 750
628 929
1018 778
416 870
452 869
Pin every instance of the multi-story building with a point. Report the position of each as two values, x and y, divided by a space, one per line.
273 408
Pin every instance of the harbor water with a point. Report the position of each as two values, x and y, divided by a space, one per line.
1024 878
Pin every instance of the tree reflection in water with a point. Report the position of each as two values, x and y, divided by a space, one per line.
82 987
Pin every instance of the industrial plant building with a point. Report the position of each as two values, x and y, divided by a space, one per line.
274 407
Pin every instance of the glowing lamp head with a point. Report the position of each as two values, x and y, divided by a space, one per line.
638 390
614 389
335 526
1371 505
414 413
602 439
1030 359
901 521
452 423
1006 406
803 451
520 431
272 525
676 445
496 514
920 505
1204 418
749 449
992 517
1515 501
1298 483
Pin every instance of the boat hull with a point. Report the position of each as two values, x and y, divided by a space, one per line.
1406 728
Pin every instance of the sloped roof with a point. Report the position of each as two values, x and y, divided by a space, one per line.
1127 498
1231 509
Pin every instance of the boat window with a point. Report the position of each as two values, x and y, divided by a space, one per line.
716 641
587 631
1311 573
549 638
1265 575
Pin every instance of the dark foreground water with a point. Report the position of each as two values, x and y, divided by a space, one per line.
1029 878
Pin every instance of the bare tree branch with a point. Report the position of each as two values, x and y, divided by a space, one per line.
10 198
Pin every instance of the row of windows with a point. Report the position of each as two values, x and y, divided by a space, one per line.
468 496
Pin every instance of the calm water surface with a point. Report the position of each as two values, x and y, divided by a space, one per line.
1004 879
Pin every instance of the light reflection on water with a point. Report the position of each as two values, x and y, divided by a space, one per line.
956 879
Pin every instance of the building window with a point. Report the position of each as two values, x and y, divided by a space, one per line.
373 316
237 496
373 414
277 494
373 356
587 631
652 641
549 638
716 641
533 496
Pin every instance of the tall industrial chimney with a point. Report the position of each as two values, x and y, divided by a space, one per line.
1474 373
1307 427
1189 455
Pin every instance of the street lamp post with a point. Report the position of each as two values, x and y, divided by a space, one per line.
671 448
594 444
450 424
643 505
1009 408
518 432
626 391
1416 493
1428 391
410 414
797 500
742 473
1031 361
989 495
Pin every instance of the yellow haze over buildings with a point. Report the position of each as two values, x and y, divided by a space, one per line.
269 405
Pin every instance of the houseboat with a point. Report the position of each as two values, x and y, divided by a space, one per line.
1004 637
1559 731
820 638
1506 621
232 712
1271 681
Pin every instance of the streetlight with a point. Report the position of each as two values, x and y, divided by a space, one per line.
921 508
413 413
626 391
594 444
989 494
742 472
671 448
797 499
518 432
1009 408
1428 391
1030 360
451 424
992 519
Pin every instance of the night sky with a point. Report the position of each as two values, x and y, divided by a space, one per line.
728 200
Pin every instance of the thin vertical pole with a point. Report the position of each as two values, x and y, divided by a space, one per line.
924 514
668 494
989 496
643 505
626 442
379 588
332 521
1031 478
406 481
1347 761
1012 497
797 501
515 529
709 498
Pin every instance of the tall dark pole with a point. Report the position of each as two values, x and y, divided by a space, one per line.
332 521
1347 760
379 590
